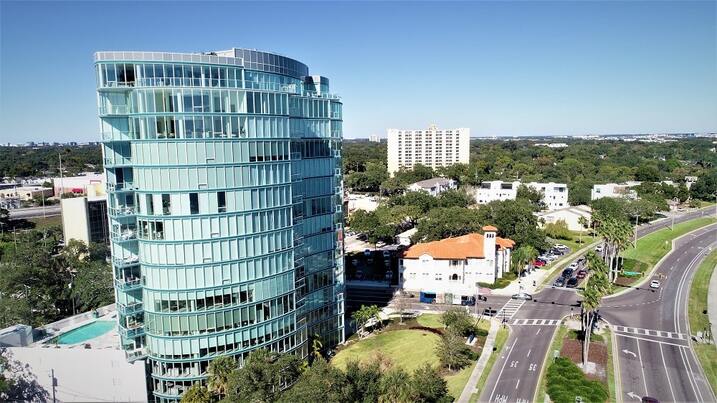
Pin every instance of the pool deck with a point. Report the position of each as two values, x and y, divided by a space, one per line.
109 340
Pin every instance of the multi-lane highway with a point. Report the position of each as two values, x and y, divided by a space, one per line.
515 375
652 331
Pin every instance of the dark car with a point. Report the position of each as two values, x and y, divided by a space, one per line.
567 273
648 399
572 282
559 282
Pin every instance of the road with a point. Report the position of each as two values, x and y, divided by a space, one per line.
31 212
515 375
652 331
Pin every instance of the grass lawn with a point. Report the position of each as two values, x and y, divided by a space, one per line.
610 367
557 344
46 222
706 353
456 382
406 348
430 320
500 338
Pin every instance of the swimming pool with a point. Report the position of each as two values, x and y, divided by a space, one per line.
86 332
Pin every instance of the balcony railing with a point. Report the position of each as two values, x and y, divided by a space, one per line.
122 211
114 110
131 332
126 261
126 235
136 354
120 187
127 284
117 161
118 136
129 309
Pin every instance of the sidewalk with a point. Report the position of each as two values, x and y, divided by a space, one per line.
712 303
535 277
470 387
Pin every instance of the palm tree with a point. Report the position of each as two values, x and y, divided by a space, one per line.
596 287
219 371
616 236
584 223
522 256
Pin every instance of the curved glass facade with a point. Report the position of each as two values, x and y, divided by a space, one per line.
224 201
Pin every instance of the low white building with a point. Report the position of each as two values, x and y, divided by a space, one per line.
555 195
433 186
25 193
455 266
362 202
690 180
571 216
79 185
623 190
404 238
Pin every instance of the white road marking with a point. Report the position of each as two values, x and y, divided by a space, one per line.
516 385
501 369
649 340
529 352
642 367
538 332
667 372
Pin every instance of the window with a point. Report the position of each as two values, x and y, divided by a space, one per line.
454 277
150 204
194 203
222 202
166 204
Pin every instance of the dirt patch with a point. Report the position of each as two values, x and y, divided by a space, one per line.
626 281
598 354
427 329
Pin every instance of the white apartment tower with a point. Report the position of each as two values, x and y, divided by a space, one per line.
432 147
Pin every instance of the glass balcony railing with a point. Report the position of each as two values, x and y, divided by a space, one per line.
116 161
129 309
120 187
132 331
114 109
135 354
124 235
119 136
126 261
128 284
122 211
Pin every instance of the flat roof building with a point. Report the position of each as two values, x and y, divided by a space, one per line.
432 147
433 186
555 195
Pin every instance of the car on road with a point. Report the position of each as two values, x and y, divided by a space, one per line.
380 244
362 237
648 399
560 282
572 282
522 295
654 284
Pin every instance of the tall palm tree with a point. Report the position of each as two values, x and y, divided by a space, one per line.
584 223
597 286
219 371
522 256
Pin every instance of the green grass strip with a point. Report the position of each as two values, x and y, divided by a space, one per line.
706 353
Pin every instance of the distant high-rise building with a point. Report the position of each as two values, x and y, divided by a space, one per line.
225 207
374 138
432 147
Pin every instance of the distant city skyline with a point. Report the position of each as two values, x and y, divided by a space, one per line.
501 69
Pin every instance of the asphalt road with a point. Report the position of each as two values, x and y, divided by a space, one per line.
652 330
515 375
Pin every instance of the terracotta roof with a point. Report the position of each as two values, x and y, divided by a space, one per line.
490 228
462 247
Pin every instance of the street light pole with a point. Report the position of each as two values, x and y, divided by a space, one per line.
637 217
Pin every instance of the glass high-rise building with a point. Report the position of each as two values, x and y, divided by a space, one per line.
224 203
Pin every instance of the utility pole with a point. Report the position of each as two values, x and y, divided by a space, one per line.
62 185
53 384
637 217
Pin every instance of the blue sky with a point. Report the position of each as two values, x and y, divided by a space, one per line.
500 68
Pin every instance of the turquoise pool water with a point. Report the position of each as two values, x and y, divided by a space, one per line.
86 332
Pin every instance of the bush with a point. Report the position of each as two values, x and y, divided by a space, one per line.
558 230
565 381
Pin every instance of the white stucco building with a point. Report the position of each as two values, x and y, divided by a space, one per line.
555 195
455 265
432 147
571 216
433 186
623 190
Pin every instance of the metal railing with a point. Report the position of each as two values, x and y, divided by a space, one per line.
125 262
122 211
131 332
113 110
129 309
128 284
120 187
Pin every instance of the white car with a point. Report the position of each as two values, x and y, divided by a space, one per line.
654 284
380 244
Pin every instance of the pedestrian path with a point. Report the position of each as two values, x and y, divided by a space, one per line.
536 322
485 353
509 309
649 332
712 303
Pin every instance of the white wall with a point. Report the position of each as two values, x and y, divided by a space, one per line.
428 274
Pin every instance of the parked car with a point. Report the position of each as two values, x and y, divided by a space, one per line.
367 252
572 282
538 263
654 284
581 274
560 282
387 253
380 244
354 262
573 265
567 272
522 295
598 248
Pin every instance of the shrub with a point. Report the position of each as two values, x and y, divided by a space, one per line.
565 381
558 230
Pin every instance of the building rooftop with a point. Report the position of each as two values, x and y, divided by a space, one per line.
429 183
462 247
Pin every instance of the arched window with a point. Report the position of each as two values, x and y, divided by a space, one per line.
454 277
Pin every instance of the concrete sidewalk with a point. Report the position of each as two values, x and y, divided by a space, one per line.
712 303
470 387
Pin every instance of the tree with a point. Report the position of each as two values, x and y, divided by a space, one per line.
365 314
197 393
93 285
683 194
597 286
219 371
458 320
264 374
706 186
363 381
395 387
647 173
522 256
322 382
455 198
400 304
418 173
584 224
17 381
558 230
515 220
532 196
616 236
579 192
427 386
442 223
422 200
316 347
452 350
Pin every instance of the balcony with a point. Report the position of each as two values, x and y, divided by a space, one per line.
121 187
129 309
131 332
124 211
128 261
135 354
128 284
128 234
119 136
113 110
110 162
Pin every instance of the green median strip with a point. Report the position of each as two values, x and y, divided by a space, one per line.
699 321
